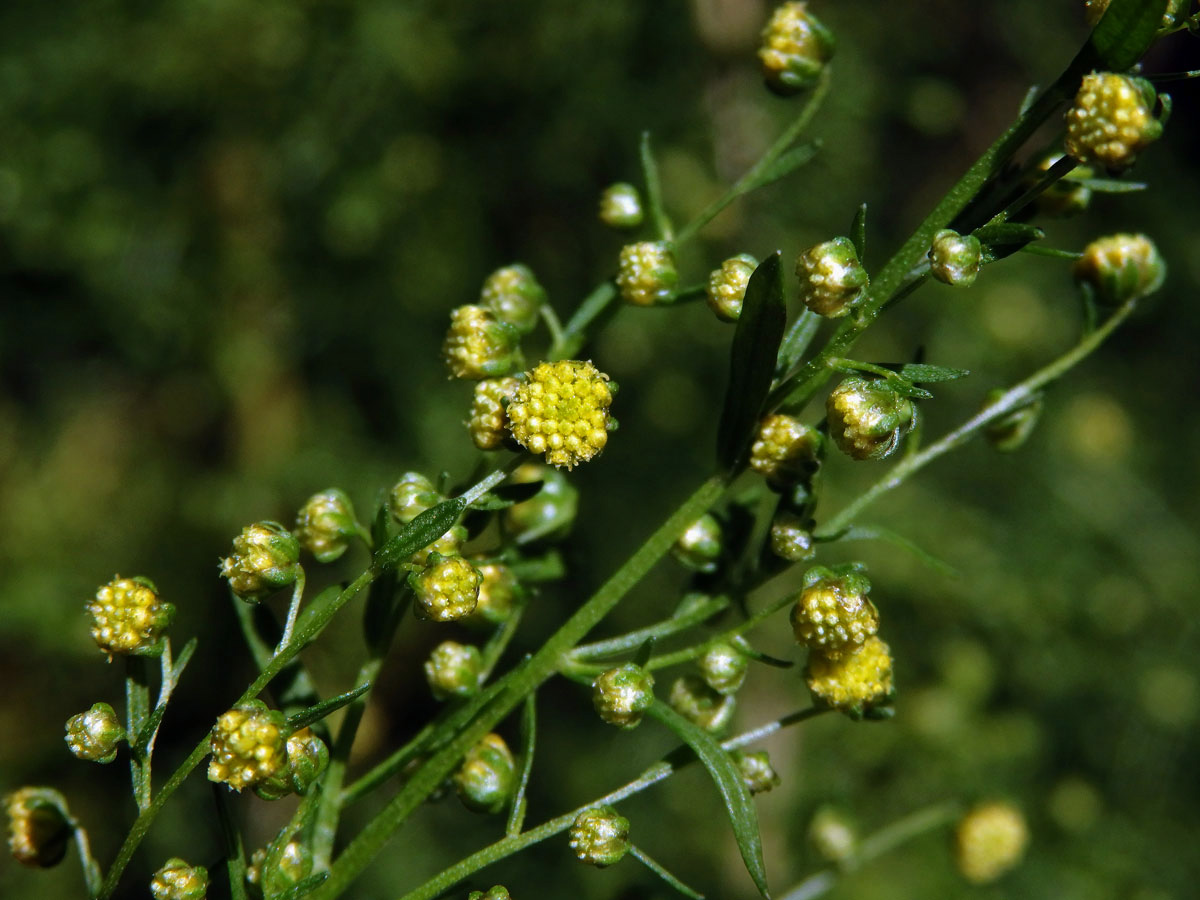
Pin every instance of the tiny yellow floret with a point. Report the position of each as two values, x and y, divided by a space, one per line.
561 411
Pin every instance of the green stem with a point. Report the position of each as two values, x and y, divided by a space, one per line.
655 867
516 817
91 870
689 653
137 709
626 643
235 854
574 333
293 609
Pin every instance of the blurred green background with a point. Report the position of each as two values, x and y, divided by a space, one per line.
230 237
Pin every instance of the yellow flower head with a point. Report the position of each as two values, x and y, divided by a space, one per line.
561 410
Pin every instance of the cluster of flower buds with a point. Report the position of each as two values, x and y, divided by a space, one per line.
548 514
291 865
487 776
325 525
1120 267
647 273
699 547
489 425
622 694
454 670
723 665
621 206
792 538
989 841
39 826
265 558
832 835
727 286
832 280
251 747
1112 120
479 345
94 735
560 410
446 589
307 757
177 880
514 296
495 892
756 770
498 592
785 451
411 496
128 617
795 48
600 836
954 258
867 418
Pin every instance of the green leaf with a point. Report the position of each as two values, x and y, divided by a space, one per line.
920 373
1109 185
725 775
302 888
905 388
507 495
799 336
516 816
752 359
1126 31
419 533
1006 238
654 199
320 710
875 533
858 233
785 165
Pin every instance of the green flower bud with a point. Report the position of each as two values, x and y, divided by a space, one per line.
486 779
325 525
550 513
857 683
266 557
497 593
621 695
95 734
292 867
701 705
795 48
600 836
453 670
832 280
791 539
249 746
646 273
561 412
495 892
1120 267
833 613
727 286
411 496
489 416
757 771
832 835
447 589
867 419
39 826
989 841
1112 120
478 345
785 451
128 617
177 880
699 547
1012 430
724 665
955 258
307 757
514 296
621 206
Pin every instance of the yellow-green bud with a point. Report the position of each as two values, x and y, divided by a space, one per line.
411 496
699 547
855 683
307 757
1012 430
486 779
94 735
833 613
325 525
449 544
832 835
177 880
756 771
832 280
266 557
489 419
495 892
646 273
1121 267
989 841
293 866
701 705
39 826
548 514
727 286
621 206
514 296
478 345
954 258
791 539
1112 120
497 593
795 48
866 419
561 411
1065 197
447 589
600 836
785 451
128 617
249 745
623 694
724 665
453 670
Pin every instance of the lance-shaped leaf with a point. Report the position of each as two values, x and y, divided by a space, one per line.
785 165
419 533
320 710
1126 31
1006 238
922 373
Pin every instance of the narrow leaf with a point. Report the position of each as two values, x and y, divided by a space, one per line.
1006 238
858 233
654 189
316 607
302 888
508 494
662 872
419 533
785 165
320 710
1126 31
516 817
920 373
905 388
799 336
643 653
1109 185
875 533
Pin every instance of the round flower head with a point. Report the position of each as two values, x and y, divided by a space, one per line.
622 694
785 451
693 699
561 411
479 345
856 683
497 593
699 547
600 836
795 48
727 286
1120 267
249 745
446 589
325 524
621 206
1112 120
488 774
791 539
39 826
548 514
832 280
514 296
646 273
176 880
128 617
453 670
411 496
989 840
756 771
266 557
274 876
724 665
307 757
955 258
833 614
495 892
489 420
866 419
94 735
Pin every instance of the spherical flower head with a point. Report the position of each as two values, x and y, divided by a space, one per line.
621 206
785 451
1112 120
249 745
724 664
307 757
600 836
497 593
561 412
833 613
478 345
699 547
832 835
514 296
411 496
954 258
791 539
487 776
39 826
623 694
453 670
727 286
550 513
1011 430
266 557
128 617
293 865
495 892
489 419
646 273
449 544
756 771
325 524
446 589
989 840
94 735
693 699
177 880
832 280
795 48
1120 267
867 420
857 683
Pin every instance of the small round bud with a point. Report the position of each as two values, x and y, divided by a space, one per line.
495 892
39 826
989 840
266 557
832 835
867 420
1112 120
1121 267
488 774
449 544
548 514
646 273
453 670
785 451
727 286
795 48
307 757
176 880
95 734
478 345
1065 197
701 705
621 695
856 683
833 614
293 866
248 745
128 617
497 593
724 665
600 836
756 770
514 296
954 258
447 589
561 411
621 206
325 524
1012 430
699 547
411 496
489 419
832 280
790 539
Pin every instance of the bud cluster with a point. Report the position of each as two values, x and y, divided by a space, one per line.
867 419
561 411
486 779
622 694
128 616
600 836
1112 120
832 280
647 273
446 589
265 558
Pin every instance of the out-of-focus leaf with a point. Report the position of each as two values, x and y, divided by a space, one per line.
787 163
875 533
1126 31
858 233
1109 185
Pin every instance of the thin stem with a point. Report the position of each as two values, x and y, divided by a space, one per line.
293 610
553 325
625 643
91 870
574 333
516 817
689 653
137 709
235 854
644 858
654 198
1052 252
